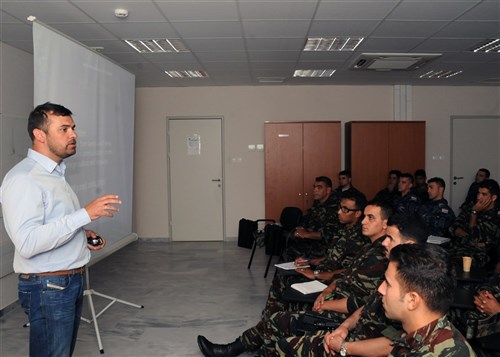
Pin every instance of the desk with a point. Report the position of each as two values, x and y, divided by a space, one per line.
474 276
292 295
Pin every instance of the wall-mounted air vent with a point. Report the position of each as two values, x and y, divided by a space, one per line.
393 61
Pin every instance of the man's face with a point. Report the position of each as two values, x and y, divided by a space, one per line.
392 239
480 176
404 185
344 180
60 139
484 196
373 226
434 191
392 180
321 191
351 216
393 298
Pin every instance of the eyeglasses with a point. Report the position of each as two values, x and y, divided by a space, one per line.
347 209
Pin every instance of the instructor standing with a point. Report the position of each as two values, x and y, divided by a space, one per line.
44 220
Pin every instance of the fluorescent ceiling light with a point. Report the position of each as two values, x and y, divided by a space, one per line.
157 45
332 43
271 79
440 74
490 45
187 74
319 73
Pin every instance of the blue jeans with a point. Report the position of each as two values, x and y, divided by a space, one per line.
54 307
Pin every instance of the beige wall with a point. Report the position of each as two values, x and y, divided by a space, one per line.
245 109
16 101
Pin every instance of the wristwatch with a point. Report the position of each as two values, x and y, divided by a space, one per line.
316 273
474 212
343 350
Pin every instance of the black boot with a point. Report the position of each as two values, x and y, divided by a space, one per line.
210 349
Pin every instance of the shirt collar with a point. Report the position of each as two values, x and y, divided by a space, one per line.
48 164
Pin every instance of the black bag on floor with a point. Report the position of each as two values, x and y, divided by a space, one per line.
246 232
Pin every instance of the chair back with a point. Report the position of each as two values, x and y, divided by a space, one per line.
290 218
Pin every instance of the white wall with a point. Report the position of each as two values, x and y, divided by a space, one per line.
16 101
245 109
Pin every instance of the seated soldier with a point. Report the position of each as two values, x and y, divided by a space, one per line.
420 187
470 199
345 183
369 321
418 291
476 231
435 212
312 237
390 192
407 202
351 289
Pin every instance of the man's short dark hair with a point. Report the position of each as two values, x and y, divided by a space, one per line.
358 198
438 181
38 117
385 207
486 172
407 175
326 180
491 185
345 173
411 227
427 270
420 173
395 172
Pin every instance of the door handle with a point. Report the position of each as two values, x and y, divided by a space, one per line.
215 180
458 177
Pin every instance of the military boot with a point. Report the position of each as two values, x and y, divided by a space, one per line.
210 349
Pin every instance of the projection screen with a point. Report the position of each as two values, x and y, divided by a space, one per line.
101 96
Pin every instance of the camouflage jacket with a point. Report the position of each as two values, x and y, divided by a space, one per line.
487 229
439 338
346 245
323 218
406 204
363 277
438 216
373 323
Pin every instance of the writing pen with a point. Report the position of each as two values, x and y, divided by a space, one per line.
304 260
328 297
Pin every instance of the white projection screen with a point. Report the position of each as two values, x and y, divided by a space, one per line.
101 96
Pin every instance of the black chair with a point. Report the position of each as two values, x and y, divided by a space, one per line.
258 236
276 234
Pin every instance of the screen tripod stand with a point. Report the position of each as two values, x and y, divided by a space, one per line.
89 292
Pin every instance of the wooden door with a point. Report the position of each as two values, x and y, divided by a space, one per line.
407 146
321 154
367 153
283 166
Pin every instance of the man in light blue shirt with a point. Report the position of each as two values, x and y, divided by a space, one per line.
43 218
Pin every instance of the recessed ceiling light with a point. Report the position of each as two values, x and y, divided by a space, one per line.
332 43
319 73
271 79
157 45
490 45
440 74
187 74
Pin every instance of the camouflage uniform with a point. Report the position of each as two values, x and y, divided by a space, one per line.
475 324
487 231
372 323
439 338
407 204
346 244
438 216
356 284
321 217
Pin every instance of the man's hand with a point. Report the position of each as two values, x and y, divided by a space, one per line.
486 303
460 232
482 204
332 341
102 207
307 272
92 234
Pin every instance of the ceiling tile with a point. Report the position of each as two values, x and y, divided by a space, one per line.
277 10
208 29
430 10
215 44
408 28
342 28
275 44
389 44
199 10
354 10
278 28
104 11
49 12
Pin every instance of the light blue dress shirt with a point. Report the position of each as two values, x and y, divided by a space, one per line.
42 217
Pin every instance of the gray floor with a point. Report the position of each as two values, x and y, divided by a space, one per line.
187 288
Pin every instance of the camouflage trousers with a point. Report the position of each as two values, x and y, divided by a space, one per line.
281 326
460 248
